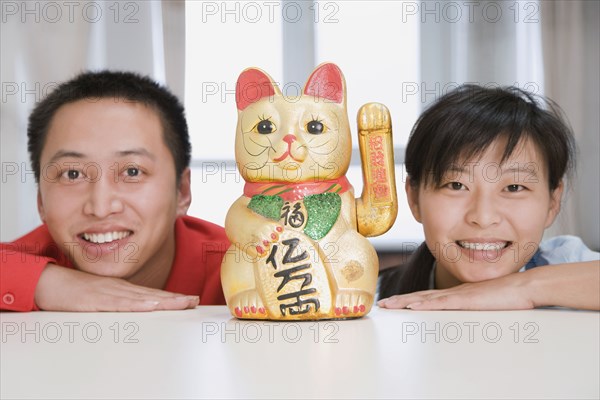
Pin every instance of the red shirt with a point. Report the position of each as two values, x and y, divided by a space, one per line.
196 270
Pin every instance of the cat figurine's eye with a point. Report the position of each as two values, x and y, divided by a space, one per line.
265 127
315 127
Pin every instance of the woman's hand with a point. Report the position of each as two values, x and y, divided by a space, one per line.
505 293
574 285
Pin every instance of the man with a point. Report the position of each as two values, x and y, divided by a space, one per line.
111 155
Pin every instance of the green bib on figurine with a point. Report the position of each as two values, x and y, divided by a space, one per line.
322 210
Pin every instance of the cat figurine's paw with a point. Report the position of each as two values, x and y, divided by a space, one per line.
266 237
248 305
352 303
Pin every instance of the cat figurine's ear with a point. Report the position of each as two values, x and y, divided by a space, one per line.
327 82
252 85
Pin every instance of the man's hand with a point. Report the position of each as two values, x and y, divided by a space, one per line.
65 289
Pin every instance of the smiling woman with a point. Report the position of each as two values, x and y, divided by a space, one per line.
482 227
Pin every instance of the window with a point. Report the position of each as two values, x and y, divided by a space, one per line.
223 38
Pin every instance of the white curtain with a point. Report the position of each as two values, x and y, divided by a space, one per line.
571 30
45 43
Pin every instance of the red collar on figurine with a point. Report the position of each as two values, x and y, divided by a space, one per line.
295 191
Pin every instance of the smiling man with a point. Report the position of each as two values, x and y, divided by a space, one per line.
111 155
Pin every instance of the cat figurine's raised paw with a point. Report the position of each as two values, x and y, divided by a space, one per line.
298 250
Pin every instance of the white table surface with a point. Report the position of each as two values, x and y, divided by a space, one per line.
204 353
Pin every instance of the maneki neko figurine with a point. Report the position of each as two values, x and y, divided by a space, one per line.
298 248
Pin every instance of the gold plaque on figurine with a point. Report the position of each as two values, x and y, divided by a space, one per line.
298 248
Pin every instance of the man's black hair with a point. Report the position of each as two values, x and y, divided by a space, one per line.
129 86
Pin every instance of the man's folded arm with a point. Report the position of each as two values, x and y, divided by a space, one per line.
19 276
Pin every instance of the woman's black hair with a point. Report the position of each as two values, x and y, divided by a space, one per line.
461 125
409 277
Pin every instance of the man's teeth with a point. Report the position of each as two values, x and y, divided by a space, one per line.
483 246
105 237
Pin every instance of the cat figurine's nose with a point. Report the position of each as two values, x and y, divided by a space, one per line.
289 139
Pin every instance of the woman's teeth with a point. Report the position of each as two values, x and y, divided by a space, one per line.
105 237
483 246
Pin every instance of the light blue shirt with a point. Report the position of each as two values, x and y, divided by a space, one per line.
560 250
